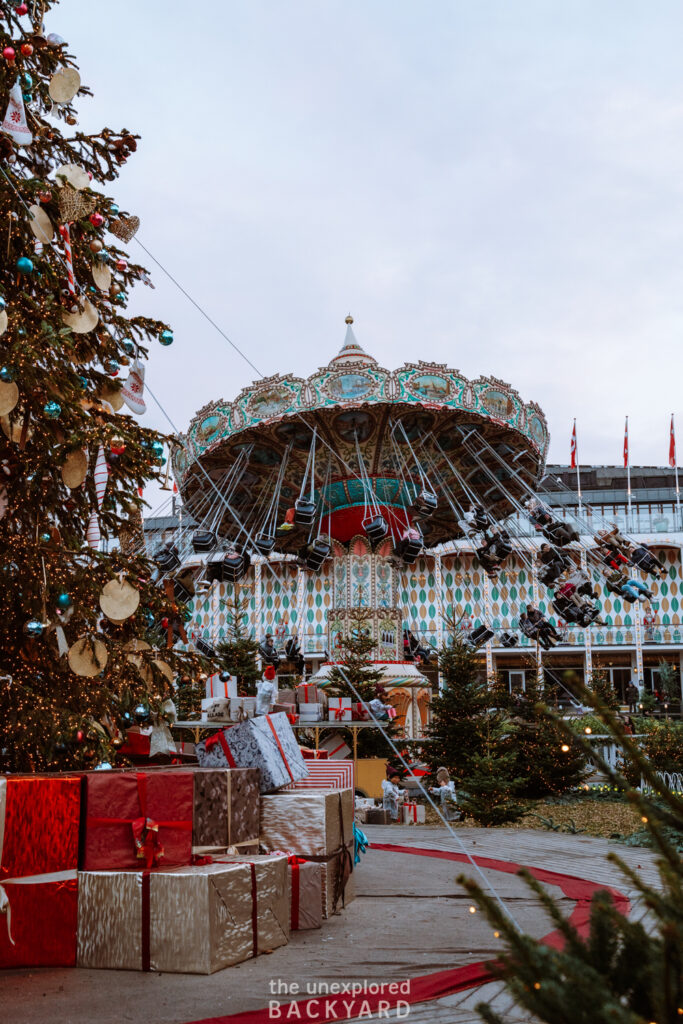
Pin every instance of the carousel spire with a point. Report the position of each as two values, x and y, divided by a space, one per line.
351 352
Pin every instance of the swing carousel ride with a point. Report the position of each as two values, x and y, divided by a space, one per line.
405 499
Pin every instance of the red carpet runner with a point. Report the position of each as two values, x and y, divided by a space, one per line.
439 983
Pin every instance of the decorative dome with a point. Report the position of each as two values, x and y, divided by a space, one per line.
351 352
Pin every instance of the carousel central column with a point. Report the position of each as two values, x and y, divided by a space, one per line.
489 617
300 605
438 587
259 625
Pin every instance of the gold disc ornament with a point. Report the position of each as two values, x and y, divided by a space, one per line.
75 175
87 657
75 469
40 223
111 394
9 396
119 600
84 319
165 669
101 275
135 647
64 85
3 322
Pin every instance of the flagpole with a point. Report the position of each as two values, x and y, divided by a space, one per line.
628 475
678 490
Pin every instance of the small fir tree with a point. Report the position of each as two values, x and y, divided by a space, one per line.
603 689
238 653
488 792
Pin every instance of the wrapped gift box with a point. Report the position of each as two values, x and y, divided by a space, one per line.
339 709
310 712
286 696
138 741
310 823
305 894
336 746
267 743
138 819
216 709
290 710
242 707
378 816
359 712
38 920
185 749
268 874
327 774
39 819
334 897
226 807
190 920
215 687
309 693
413 814
314 755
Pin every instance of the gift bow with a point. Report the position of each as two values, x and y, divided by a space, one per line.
146 839
339 714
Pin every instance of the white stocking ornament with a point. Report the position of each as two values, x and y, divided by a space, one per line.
14 123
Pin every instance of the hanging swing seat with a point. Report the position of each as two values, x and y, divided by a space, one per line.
313 555
304 512
425 503
409 546
166 557
480 636
264 543
375 528
228 567
203 541
508 640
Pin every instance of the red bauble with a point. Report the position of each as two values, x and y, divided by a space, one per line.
80 736
9 54
97 220
45 197
122 265
21 10
164 623
26 49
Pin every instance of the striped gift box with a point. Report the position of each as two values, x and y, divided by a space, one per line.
327 775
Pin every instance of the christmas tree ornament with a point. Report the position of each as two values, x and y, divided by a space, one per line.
88 657
103 766
64 600
117 446
64 85
112 367
40 223
133 389
96 219
142 714
166 337
34 629
3 322
85 318
73 204
119 600
101 476
7 374
54 41
9 55
113 210
45 537
157 449
20 10
3 303
92 534
24 265
75 176
125 228
110 393
80 736
52 410
122 265
66 236
26 80
15 124
101 275
165 669
26 49
9 396
128 346
96 245
75 469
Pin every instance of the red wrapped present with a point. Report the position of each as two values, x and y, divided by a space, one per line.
314 755
358 712
38 920
138 819
38 825
138 742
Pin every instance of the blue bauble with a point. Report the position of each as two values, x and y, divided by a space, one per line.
27 97
127 718
3 303
142 714
21 332
45 538
128 346
52 410
120 296
34 628
7 374
64 600
25 265
83 381
113 209
166 337
111 366
26 80
103 766
157 448
148 616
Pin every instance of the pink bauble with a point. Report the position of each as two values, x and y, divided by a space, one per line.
97 220
8 53
122 265
21 9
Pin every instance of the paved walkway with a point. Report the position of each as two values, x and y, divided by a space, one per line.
410 918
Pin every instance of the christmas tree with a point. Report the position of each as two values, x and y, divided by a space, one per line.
625 971
459 713
488 793
354 658
80 627
239 651
603 689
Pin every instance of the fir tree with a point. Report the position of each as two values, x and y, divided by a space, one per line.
625 971
459 713
489 789
64 335
603 689
238 653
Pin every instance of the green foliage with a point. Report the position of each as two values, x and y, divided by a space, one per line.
602 687
459 713
647 701
239 651
488 793
669 682
622 971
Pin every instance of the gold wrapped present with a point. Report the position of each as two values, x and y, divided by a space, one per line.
308 822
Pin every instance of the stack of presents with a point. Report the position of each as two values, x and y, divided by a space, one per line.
307 703
186 869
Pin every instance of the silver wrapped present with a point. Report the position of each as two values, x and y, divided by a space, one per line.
267 743
308 822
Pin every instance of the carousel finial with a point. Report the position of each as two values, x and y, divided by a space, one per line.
349 319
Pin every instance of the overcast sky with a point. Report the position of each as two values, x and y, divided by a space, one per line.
494 185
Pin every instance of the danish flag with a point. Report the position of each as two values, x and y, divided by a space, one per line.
672 444
572 450
626 444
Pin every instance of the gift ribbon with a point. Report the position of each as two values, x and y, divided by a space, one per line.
294 863
145 829
51 876
219 737
145 943
412 812
282 753
339 714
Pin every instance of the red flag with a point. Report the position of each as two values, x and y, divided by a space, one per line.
626 444
672 444
572 450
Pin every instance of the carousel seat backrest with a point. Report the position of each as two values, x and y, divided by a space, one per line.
166 557
304 511
203 541
264 543
375 528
